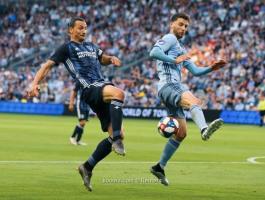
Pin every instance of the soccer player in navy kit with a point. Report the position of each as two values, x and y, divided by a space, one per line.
171 57
83 61
82 109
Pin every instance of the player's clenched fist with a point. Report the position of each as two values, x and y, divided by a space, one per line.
218 64
115 61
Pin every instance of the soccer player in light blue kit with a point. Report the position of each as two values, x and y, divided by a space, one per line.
171 57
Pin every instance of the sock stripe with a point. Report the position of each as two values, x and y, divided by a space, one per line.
110 140
195 106
116 102
92 161
174 142
102 150
116 133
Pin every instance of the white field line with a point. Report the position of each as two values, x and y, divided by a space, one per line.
249 161
253 160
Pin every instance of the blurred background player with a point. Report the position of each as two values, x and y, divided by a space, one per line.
171 57
261 108
82 110
83 61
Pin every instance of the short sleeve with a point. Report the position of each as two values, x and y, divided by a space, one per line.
98 51
76 88
166 42
60 55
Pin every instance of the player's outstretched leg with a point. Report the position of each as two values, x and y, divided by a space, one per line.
103 149
188 100
116 97
210 130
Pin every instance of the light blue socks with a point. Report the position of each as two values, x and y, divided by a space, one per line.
170 148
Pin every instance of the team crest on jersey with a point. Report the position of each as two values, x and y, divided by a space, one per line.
161 42
89 48
77 49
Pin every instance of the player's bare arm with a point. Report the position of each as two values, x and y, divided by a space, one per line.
41 74
107 60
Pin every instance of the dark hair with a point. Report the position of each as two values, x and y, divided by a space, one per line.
71 24
180 15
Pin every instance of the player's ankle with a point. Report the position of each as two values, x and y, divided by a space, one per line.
88 166
203 129
116 138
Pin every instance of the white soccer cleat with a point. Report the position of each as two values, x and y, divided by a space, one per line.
81 143
73 141
213 126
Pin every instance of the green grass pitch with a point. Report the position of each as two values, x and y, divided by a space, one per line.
212 170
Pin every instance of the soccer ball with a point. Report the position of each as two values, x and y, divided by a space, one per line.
167 126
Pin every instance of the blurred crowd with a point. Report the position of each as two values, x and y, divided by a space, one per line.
128 29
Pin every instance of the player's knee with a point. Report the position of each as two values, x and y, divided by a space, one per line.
181 135
189 102
120 95
199 102
82 123
196 102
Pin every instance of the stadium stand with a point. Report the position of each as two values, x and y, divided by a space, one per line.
30 30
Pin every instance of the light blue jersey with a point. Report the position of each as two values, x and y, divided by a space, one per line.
168 71
165 51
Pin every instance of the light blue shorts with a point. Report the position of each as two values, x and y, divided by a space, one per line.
170 95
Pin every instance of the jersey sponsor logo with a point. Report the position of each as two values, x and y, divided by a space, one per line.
83 54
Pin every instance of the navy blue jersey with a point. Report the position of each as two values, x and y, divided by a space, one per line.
81 60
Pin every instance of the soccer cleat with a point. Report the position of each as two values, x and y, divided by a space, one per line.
118 147
73 141
160 174
86 176
213 126
81 143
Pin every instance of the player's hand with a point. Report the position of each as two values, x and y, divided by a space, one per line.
218 64
182 58
33 91
71 107
115 61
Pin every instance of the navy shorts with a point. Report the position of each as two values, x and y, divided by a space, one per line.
93 96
